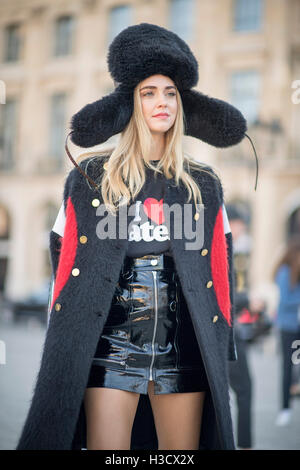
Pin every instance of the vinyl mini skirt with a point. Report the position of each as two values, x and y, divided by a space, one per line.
148 334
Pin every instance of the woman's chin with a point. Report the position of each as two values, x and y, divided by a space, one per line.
160 129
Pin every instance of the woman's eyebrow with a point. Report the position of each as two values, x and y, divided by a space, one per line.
166 88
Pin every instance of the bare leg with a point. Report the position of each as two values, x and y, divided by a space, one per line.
177 418
109 414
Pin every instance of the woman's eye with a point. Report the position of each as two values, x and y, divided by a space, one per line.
150 92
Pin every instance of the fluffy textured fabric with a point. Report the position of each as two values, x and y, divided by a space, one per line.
141 50
219 269
233 297
212 120
55 242
136 53
56 418
68 251
96 122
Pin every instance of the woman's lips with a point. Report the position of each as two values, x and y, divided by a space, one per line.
162 116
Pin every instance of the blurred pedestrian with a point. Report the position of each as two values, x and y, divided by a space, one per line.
287 278
239 374
295 387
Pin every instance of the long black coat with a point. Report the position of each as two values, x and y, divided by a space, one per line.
81 302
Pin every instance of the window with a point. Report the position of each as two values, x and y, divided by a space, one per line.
12 43
182 14
63 35
245 93
119 18
247 15
8 134
57 128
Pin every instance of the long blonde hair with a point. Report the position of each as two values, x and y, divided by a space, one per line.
125 173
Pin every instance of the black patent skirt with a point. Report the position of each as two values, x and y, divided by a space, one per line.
148 334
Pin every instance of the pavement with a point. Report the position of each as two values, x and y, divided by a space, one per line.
23 345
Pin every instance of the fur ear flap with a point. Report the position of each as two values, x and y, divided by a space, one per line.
212 120
98 121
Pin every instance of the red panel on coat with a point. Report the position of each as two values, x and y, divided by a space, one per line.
68 251
220 268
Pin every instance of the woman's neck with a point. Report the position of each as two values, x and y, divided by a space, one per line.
158 146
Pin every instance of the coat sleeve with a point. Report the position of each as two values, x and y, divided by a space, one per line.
232 353
55 242
55 239
57 233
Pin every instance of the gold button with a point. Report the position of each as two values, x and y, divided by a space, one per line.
204 252
105 165
83 239
209 284
57 307
75 272
196 216
215 318
95 202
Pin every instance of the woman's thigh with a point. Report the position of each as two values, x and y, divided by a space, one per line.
177 418
109 414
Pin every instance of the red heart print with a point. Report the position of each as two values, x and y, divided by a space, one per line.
154 210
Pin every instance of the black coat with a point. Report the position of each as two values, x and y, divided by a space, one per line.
56 418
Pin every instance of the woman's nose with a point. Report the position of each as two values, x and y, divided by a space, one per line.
162 106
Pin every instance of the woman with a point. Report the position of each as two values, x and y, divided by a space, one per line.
287 278
140 327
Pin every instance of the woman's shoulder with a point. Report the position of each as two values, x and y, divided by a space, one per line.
197 167
204 174
93 166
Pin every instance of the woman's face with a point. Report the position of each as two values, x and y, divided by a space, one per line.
158 96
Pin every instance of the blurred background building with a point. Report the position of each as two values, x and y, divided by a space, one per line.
53 61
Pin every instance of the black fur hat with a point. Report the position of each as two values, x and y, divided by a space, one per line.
136 53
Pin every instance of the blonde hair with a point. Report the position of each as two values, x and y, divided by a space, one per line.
125 173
